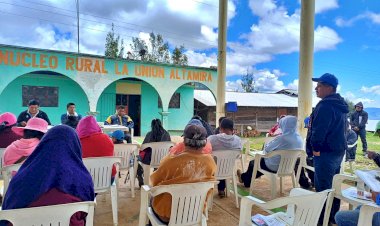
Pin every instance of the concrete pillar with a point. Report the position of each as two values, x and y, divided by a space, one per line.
164 119
222 40
305 85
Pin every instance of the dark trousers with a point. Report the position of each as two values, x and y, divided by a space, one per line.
247 176
362 134
222 185
326 166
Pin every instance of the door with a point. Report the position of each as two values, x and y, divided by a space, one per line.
132 105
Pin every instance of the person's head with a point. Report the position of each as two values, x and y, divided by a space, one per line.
35 128
7 119
70 108
326 85
33 106
359 106
196 122
117 136
120 110
227 126
197 117
195 137
288 124
88 126
221 119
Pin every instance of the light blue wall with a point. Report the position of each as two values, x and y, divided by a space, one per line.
68 91
177 119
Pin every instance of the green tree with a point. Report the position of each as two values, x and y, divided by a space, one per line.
160 49
112 47
351 105
139 49
178 56
248 83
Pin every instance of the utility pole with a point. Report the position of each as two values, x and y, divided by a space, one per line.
78 23
222 40
305 85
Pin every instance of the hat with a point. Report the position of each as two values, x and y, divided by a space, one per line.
117 134
8 119
195 132
36 124
360 104
227 124
306 121
327 79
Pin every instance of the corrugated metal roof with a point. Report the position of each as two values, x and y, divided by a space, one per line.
249 99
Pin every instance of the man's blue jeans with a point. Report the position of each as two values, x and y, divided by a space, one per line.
326 166
351 218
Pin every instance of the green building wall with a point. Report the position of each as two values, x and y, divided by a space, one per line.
177 118
68 91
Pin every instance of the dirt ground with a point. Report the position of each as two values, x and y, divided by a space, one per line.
224 210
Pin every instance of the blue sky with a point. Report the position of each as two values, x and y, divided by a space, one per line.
263 35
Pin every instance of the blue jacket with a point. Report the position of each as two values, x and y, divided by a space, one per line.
328 123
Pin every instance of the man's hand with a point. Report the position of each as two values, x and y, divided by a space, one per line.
23 123
371 154
316 153
356 128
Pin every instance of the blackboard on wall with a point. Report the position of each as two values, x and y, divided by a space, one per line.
46 95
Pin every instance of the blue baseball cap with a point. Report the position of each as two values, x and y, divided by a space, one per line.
117 134
327 78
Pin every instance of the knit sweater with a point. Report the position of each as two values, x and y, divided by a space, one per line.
187 167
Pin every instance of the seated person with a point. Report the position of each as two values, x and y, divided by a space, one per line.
157 134
53 174
117 137
188 167
276 130
7 135
32 133
225 140
71 117
216 131
180 147
351 217
33 111
120 118
94 142
351 138
288 140
205 125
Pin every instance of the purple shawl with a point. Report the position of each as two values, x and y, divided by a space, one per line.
55 163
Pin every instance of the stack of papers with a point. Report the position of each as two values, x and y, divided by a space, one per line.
371 178
262 220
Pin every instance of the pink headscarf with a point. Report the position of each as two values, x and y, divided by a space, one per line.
88 126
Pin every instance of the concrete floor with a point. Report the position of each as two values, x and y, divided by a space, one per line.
224 210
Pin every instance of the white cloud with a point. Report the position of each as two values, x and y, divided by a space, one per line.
234 86
324 5
373 89
373 17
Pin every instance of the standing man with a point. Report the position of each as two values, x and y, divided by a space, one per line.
326 136
120 118
358 119
33 111
71 117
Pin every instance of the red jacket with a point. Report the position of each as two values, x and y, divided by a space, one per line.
97 145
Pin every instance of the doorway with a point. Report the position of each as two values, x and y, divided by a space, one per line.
132 105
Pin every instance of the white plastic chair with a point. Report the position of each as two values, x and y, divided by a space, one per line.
366 213
285 168
126 152
188 202
303 207
100 169
7 174
159 151
55 215
225 170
